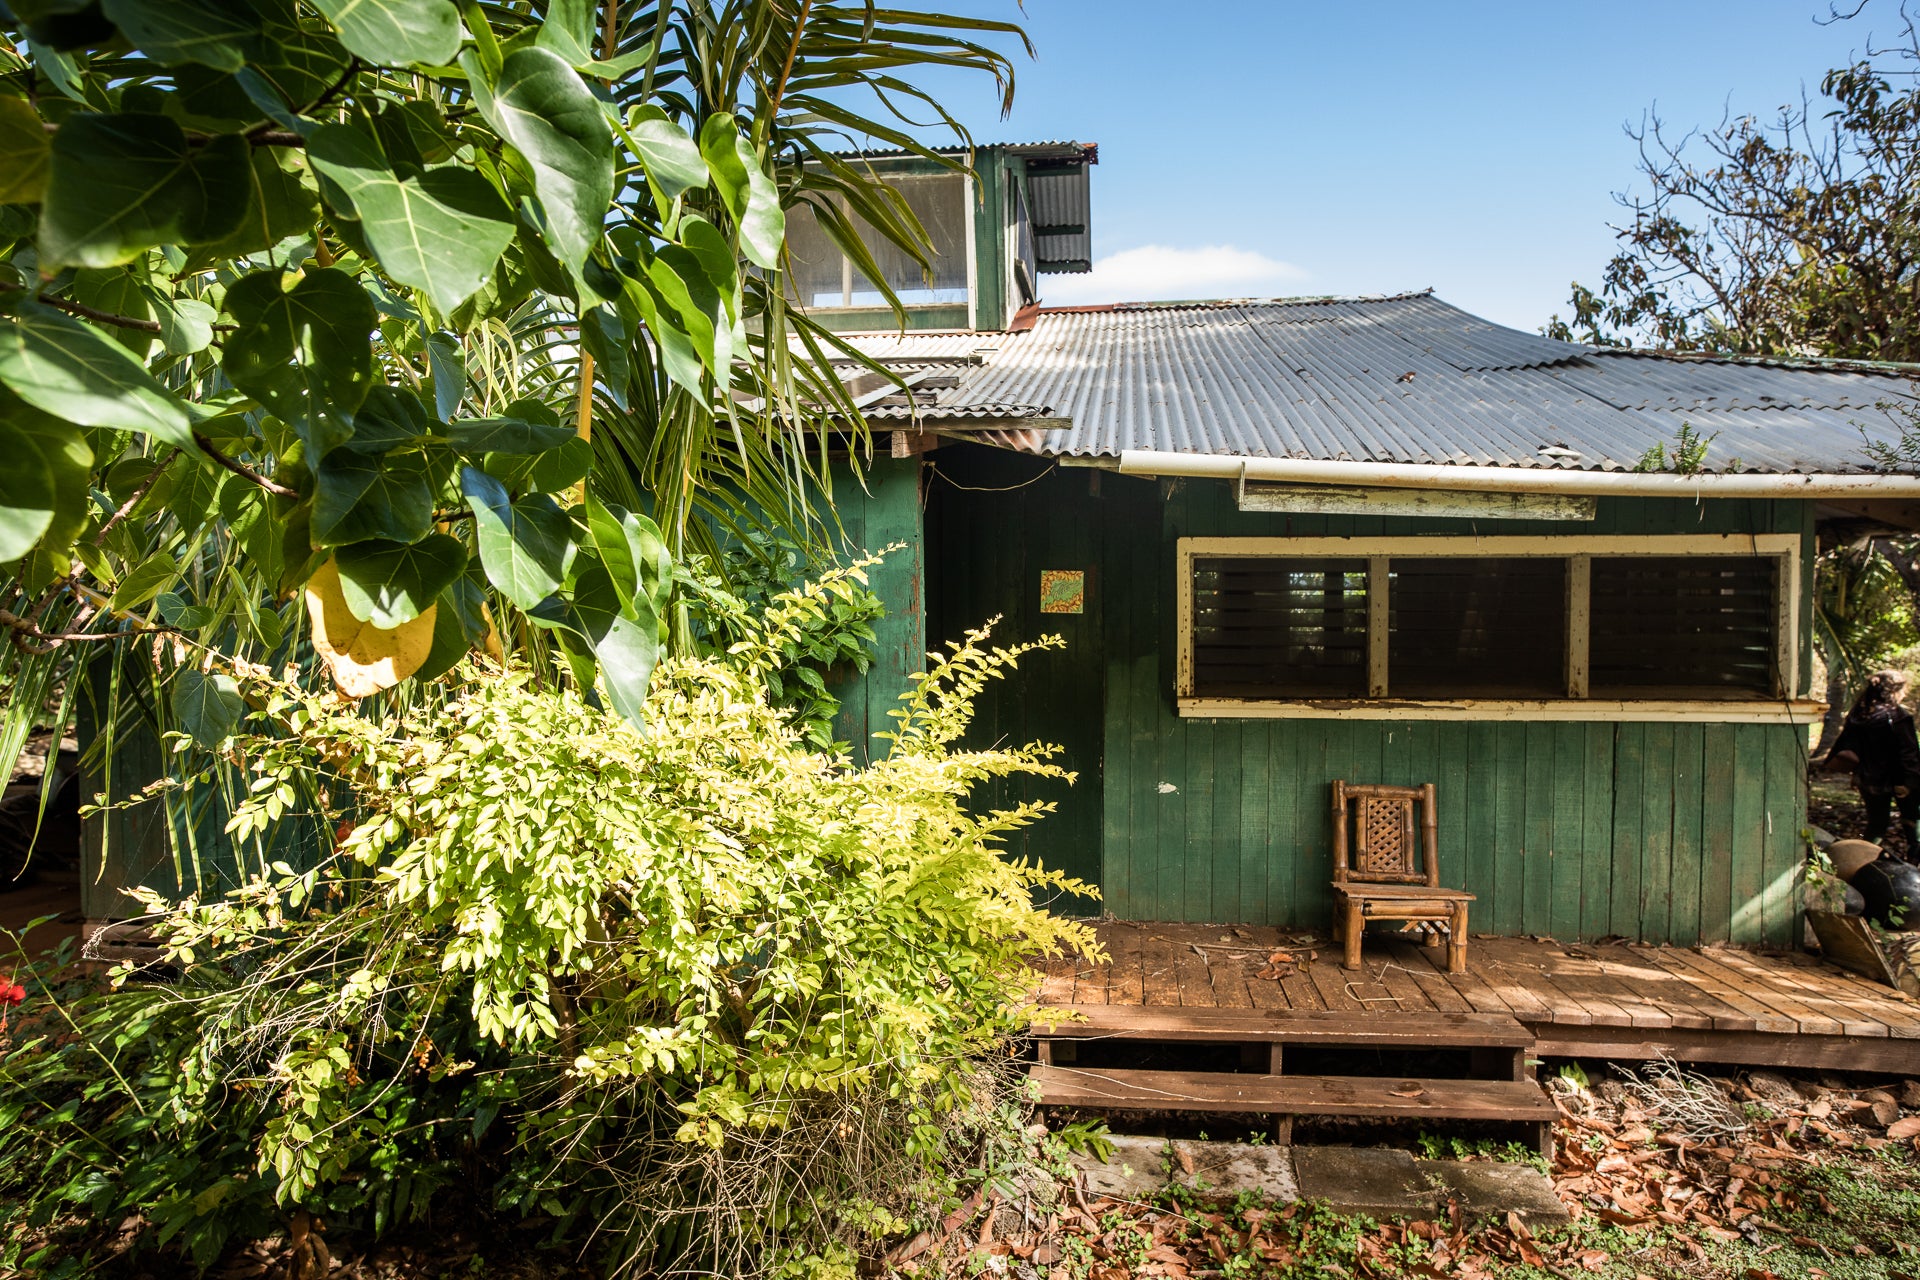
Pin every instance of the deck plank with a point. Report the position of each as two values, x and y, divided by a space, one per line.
1827 1000
1596 972
1721 1014
1807 1020
1488 959
1192 974
1730 988
1682 998
1125 983
1114 1089
1158 967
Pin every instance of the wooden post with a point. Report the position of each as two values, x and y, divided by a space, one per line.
1430 833
1377 617
1579 626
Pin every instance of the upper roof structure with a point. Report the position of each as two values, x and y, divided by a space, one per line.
1401 379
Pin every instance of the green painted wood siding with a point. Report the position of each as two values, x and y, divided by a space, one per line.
1662 832
876 511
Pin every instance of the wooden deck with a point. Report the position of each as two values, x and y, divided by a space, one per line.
1611 1000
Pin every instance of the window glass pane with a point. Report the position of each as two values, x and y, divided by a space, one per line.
1693 626
1477 627
1266 627
817 279
820 277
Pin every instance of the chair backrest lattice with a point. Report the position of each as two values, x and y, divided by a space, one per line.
1385 835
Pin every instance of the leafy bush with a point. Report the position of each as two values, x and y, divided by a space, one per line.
694 991
726 597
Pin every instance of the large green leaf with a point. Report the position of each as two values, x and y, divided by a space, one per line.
679 279
359 497
390 417
636 558
447 362
763 224
119 184
208 707
24 152
744 187
26 493
326 320
542 106
212 33
523 543
671 158
146 580
607 340
69 370
388 583
568 30
475 436
396 33
186 324
279 205
441 231
628 653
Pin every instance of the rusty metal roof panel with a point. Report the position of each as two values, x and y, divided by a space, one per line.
1402 379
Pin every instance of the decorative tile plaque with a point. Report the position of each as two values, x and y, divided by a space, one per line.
1063 591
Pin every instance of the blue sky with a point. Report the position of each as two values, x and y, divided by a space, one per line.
1366 147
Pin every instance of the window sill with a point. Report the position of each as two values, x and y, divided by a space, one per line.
1754 711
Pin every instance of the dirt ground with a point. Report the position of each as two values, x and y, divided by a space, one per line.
1668 1175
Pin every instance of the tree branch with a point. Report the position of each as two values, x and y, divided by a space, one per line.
242 470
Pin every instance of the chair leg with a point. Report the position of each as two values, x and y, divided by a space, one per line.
1430 934
1457 941
1350 934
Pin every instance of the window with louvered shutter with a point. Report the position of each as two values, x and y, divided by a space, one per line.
1273 627
1477 627
1688 626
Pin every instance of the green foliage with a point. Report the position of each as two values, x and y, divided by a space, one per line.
1791 238
1863 611
831 643
415 289
1687 457
700 991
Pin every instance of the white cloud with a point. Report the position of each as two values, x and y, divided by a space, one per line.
1160 273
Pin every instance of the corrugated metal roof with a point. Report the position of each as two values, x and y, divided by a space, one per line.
1060 203
1401 379
1057 149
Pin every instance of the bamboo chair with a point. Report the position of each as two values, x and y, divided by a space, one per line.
1385 872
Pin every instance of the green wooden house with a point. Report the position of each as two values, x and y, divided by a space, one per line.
1375 539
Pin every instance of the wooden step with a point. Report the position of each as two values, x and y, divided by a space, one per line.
1283 1026
1385 1098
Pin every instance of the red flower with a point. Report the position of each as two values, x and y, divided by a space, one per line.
12 993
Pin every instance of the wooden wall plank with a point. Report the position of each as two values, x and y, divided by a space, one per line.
1716 832
1537 850
1483 836
1510 832
1683 903
1568 827
1250 851
1749 832
1629 777
1596 834
1786 814
1449 776
1656 828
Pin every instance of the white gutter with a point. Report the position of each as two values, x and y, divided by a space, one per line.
1478 479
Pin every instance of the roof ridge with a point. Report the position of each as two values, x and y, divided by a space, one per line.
1212 304
1810 364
